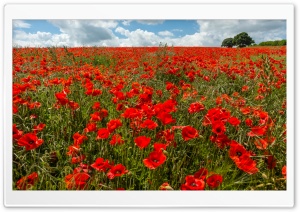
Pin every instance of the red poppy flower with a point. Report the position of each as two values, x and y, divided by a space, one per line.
119 107
155 159
16 132
201 173
27 182
245 110
248 122
90 127
34 105
283 172
104 113
237 150
214 180
166 118
159 147
78 139
261 144
257 131
221 140
73 151
15 109
73 105
93 92
149 124
62 98
30 141
245 88
102 133
196 107
264 116
169 85
116 139
101 165
77 159
159 93
246 164
192 183
189 133
96 116
116 171
168 106
83 168
216 115
168 135
76 180
142 141
218 127
165 186
113 124
39 127
96 106
131 113
234 121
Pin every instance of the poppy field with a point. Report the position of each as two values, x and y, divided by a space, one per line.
149 118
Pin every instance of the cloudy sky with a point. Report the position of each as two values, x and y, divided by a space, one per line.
43 33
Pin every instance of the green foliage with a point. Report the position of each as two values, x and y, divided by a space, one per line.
273 43
228 42
102 60
242 40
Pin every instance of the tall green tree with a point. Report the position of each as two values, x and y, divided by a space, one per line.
242 40
227 42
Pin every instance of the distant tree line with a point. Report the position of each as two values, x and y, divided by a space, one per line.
273 43
243 39
240 40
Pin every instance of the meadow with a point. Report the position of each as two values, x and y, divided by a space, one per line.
149 118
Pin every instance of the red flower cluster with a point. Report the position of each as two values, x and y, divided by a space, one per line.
155 159
30 141
196 107
113 124
192 183
242 158
27 182
16 133
78 179
217 118
142 141
101 165
62 99
116 139
189 133
116 171
199 180
155 104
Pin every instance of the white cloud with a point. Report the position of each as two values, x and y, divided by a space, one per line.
215 31
101 23
102 33
166 33
20 24
40 39
137 38
86 32
150 22
144 38
126 22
